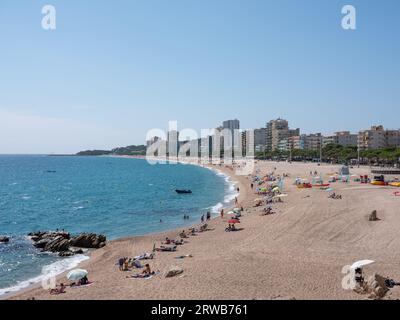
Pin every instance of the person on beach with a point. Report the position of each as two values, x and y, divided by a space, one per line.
121 264
202 218
237 189
208 215
58 290
126 265
84 281
147 270
222 213
251 186
183 234
236 201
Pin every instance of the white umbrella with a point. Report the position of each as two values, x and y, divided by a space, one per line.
361 263
76 274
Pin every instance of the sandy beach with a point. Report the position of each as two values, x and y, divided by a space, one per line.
299 252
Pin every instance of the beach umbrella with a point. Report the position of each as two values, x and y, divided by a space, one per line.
361 263
76 274
233 221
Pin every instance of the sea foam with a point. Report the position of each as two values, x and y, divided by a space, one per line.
53 269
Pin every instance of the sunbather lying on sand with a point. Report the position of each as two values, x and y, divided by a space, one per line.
185 256
164 248
268 211
59 290
144 256
145 273
176 242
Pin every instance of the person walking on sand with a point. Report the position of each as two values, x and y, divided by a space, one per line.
208 215
251 186
121 264
202 218
236 200
222 213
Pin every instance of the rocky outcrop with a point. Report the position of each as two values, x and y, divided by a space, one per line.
88 240
64 244
4 239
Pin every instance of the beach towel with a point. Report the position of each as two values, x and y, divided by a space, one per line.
82 285
141 276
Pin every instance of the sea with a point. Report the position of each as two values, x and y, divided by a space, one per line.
117 197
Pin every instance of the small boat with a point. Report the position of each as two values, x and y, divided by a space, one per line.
394 184
183 191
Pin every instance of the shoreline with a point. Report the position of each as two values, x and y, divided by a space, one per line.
298 253
226 206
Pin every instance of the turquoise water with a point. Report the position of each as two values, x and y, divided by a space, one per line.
113 196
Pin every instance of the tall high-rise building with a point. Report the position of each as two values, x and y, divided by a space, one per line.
233 126
260 139
278 133
172 143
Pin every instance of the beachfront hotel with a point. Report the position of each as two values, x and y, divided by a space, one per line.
377 138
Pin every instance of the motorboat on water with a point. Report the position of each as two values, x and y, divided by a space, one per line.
183 191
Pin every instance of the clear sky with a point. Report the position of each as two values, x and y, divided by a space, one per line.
112 70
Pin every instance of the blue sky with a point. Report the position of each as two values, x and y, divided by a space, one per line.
112 70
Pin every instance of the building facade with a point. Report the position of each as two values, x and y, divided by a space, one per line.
312 141
377 138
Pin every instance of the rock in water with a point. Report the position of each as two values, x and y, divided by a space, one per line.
173 271
58 244
4 239
88 240
62 242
